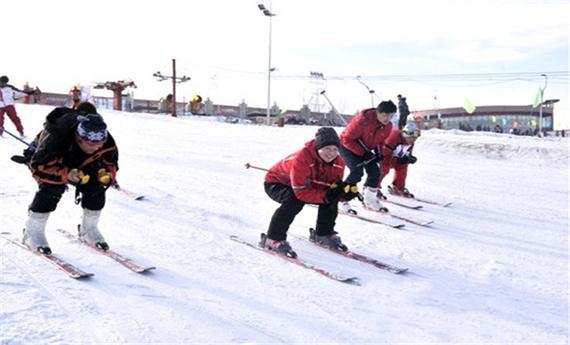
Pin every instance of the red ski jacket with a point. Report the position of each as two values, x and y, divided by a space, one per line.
366 128
304 170
395 146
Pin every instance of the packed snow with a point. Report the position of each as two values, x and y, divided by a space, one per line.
492 268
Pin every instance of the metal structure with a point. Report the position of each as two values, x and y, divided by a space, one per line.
267 12
318 80
370 91
175 80
117 87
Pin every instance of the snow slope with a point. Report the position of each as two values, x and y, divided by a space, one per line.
493 268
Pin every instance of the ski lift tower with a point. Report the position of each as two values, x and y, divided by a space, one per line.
318 80
117 87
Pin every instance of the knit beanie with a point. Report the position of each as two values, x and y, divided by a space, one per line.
92 128
326 136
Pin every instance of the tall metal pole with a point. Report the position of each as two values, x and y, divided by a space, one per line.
174 87
269 72
541 102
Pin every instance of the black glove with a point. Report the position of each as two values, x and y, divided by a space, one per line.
334 192
407 160
372 157
350 191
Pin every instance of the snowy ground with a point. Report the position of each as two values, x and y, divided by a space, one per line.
493 268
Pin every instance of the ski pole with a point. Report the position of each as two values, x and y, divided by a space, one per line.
247 166
15 137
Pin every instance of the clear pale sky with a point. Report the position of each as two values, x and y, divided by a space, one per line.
223 46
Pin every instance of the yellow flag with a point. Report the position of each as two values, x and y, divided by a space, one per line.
469 106
538 98
494 119
533 123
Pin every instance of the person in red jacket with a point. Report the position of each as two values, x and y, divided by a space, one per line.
312 175
398 152
361 148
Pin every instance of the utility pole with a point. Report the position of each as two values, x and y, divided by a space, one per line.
541 103
175 80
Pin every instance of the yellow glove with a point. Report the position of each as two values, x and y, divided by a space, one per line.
104 177
77 176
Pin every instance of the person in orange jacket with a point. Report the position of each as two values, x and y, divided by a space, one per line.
312 175
398 152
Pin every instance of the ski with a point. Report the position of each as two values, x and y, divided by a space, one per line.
401 204
362 258
370 220
406 219
425 201
126 262
299 262
60 263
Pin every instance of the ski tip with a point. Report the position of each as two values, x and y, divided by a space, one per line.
351 280
83 276
399 226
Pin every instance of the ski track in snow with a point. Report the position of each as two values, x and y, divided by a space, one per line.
493 268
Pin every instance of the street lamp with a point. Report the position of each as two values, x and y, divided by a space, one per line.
541 102
370 91
270 69
175 80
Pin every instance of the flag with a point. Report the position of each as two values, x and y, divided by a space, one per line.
538 97
494 119
533 123
468 106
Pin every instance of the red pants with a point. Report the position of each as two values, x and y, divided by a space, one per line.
400 172
11 112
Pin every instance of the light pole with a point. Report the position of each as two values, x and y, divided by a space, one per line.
175 80
370 91
270 69
541 102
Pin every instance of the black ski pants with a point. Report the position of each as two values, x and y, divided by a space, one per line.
48 195
290 207
356 166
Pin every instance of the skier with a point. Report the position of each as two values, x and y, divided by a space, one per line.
403 110
7 93
312 175
361 148
399 146
75 95
76 148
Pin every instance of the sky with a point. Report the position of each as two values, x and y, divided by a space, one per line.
422 50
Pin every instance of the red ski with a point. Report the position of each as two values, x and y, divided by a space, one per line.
128 263
60 263
299 262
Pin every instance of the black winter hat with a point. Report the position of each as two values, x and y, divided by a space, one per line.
387 107
4 79
326 136
92 128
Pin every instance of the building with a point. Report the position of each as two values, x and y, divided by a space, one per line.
507 117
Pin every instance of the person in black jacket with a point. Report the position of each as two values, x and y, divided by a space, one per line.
403 110
73 148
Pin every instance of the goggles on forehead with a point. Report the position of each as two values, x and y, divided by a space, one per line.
414 134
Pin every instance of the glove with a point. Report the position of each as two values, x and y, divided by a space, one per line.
76 176
104 177
350 191
407 160
372 157
334 192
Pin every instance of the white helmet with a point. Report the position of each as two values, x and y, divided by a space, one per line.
411 130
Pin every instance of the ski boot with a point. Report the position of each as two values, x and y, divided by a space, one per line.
401 192
344 207
280 247
89 232
35 232
372 201
331 241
